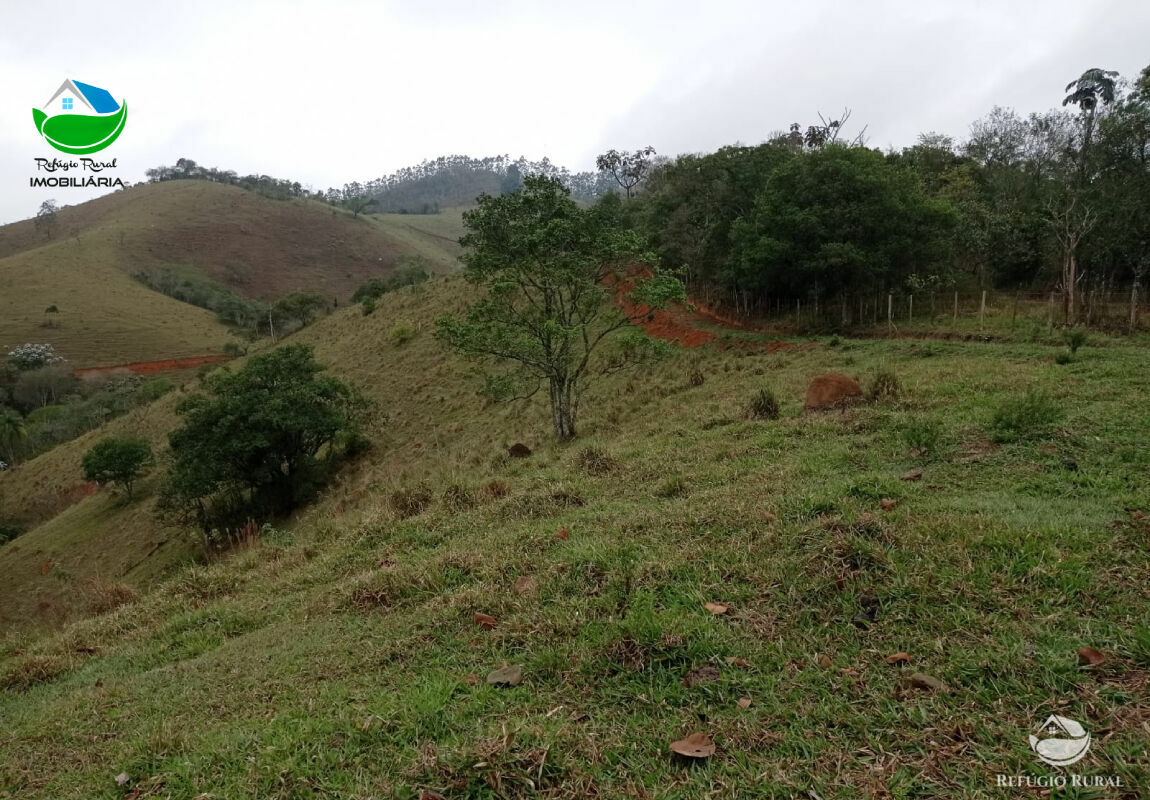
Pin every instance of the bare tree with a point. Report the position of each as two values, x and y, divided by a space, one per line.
1072 221
628 169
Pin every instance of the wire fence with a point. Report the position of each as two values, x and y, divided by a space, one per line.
963 312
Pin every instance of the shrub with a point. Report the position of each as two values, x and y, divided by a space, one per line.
102 597
368 306
410 501
402 332
234 349
673 486
1024 417
1074 338
33 356
155 389
884 386
595 461
496 489
922 436
696 378
763 405
1064 357
119 460
458 497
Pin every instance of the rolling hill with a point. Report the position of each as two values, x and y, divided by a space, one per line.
886 579
258 247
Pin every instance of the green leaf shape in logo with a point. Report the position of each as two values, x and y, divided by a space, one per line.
79 134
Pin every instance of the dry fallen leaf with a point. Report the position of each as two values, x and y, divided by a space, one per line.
562 534
485 621
735 661
715 608
825 661
523 584
471 679
427 794
919 680
1089 657
769 517
744 702
888 504
912 475
898 658
697 745
506 676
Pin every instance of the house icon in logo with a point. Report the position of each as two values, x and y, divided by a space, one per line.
74 96
1060 741
80 118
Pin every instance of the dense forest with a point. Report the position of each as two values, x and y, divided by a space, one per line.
1052 200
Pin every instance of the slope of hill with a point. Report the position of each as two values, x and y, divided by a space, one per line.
258 247
340 656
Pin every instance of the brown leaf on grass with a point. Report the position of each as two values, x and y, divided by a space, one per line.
484 621
697 745
912 475
744 702
471 679
919 680
825 661
898 659
716 608
888 503
523 584
427 794
704 673
562 533
1089 657
506 676
769 517
735 661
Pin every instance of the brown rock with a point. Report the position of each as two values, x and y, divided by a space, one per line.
1089 657
519 450
832 390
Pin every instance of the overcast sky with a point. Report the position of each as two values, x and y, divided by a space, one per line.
327 93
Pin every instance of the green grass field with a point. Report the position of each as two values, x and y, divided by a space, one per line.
340 658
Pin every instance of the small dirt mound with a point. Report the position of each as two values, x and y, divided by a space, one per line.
832 390
519 450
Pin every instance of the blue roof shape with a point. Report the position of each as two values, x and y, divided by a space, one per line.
100 100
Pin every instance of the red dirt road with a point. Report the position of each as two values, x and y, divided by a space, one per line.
152 367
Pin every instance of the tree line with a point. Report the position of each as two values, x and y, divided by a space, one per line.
1055 200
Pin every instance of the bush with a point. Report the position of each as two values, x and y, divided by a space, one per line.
1074 338
458 497
33 356
234 349
118 460
368 306
155 389
763 405
884 386
1024 417
1064 357
595 461
402 332
696 378
410 501
674 486
923 436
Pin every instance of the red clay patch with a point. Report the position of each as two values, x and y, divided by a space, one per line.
152 367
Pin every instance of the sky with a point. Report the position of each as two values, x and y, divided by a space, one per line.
331 92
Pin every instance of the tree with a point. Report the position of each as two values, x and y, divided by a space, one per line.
1093 88
252 446
120 460
548 270
358 204
46 218
628 169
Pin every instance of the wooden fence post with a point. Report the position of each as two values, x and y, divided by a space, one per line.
890 312
910 308
1134 302
956 306
1050 313
982 309
1014 311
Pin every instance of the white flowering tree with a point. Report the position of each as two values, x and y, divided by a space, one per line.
34 356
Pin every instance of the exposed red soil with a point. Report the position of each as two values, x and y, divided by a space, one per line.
832 390
152 367
670 324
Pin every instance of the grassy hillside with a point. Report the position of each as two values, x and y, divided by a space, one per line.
258 247
340 656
